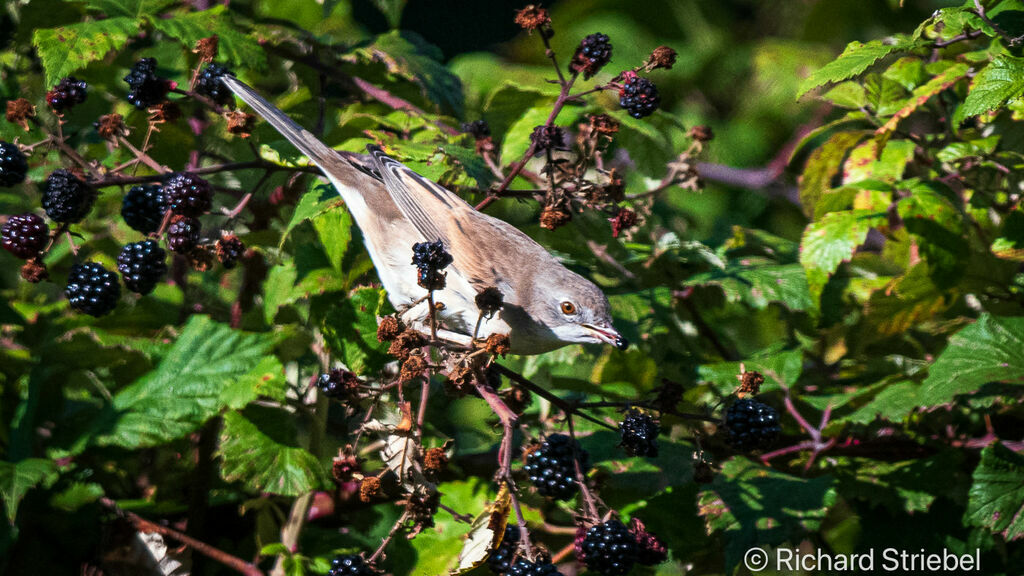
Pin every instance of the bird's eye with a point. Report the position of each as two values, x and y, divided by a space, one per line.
568 308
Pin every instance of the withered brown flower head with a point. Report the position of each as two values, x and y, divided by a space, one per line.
412 368
200 258
459 382
369 489
240 123
662 57
498 345
344 466
435 460
517 399
34 271
750 383
604 124
206 48
701 133
547 138
388 329
533 17
19 111
111 126
405 343
553 217
489 301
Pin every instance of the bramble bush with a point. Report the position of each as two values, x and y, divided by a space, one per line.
198 368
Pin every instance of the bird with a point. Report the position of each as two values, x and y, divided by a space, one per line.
544 304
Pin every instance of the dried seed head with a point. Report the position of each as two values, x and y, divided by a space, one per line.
111 126
750 383
533 17
240 123
405 343
345 465
413 368
200 258
603 124
369 489
19 111
206 48
489 301
547 138
34 271
164 112
435 460
662 57
553 217
459 382
388 329
497 345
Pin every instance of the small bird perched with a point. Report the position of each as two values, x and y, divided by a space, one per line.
544 305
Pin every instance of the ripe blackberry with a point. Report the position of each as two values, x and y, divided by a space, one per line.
350 565
66 198
142 265
208 84
13 166
92 289
478 129
145 87
609 548
338 383
143 207
551 468
430 258
591 55
639 433
547 138
25 236
229 250
751 424
187 194
639 96
527 568
500 560
66 94
183 234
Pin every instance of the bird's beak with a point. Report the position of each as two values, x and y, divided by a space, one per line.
608 335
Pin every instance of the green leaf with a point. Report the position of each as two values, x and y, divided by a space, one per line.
506 104
996 499
752 505
907 301
517 139
407 55
823 166
854 60
17 478
239 49
263 465
320 199
65 49
185 388
392 10
758 284
350 328
987 351
832 240
998 82
132 8
334 227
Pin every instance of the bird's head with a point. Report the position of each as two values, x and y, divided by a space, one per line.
575 310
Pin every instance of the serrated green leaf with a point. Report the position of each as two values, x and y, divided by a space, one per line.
752 505
18 477
1010 243
334 227
350 328
823 166
184 390
234 47
958 150
263 465
517 139
854 60
832 240
758 284
998 82
132 8
506 104
849 95
996 499
987 351
320 199
65 49
905 302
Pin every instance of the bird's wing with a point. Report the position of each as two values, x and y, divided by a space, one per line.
421 201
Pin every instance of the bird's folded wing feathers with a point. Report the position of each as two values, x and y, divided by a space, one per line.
420 200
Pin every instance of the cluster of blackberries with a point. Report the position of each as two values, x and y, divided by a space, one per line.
552 467
208 84
591 55
66 198
350 565
145 87
751 425
68 92
524 567
639 434
230 250
338 383
430 259
13 165
638 95
478 129
500 559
